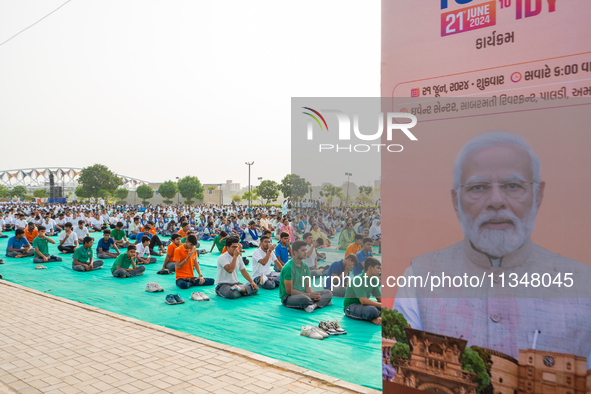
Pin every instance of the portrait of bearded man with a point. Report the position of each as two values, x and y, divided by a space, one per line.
497 193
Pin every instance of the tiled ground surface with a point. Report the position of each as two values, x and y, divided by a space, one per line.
52 345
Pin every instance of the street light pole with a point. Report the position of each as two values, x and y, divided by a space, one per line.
348 175
249 188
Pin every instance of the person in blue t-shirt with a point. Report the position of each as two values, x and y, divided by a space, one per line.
337 277
363 255
282 251
18 246
104 244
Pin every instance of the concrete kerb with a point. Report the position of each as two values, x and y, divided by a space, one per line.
202 341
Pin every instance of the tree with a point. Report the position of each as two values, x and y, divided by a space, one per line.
487 360
472 362
330 192
393 325
40 193
121 194
18 192
145 192
255 195
81 193
399 349
190 188
293 186
98 177
267 191
4 192
168 190
105 194
365 196
236 198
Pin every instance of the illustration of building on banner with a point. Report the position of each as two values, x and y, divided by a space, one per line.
435 366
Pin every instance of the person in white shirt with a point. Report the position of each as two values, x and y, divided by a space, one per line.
312 254
133 230
68 239
21 222
143 252
251 235
261 266
81 231
49 224
228 266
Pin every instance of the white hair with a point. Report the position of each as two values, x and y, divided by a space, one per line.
493 138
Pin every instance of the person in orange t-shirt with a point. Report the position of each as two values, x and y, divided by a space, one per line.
184 230
31 232
169 259
185 257
355 246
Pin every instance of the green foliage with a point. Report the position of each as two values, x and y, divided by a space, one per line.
487 361
330 192
121 193
472 362
255 195
393 325
190 188
268 191
98 177
145 192
168 190
105 194
236 198
399 349
367 190
40 193
81 193
4 192
18 192
211 188
293 186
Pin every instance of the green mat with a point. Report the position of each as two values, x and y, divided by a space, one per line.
259 323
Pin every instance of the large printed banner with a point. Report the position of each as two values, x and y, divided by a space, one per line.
496 186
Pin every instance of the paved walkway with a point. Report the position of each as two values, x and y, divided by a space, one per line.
53 345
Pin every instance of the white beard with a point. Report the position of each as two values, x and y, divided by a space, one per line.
498 243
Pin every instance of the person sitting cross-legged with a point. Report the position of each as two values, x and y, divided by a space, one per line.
185 257
83 257
261 267
31 232
40 244
81 231
169 261
282 251
295 288
18 246
68 239
337 277
229 263
358 304
363 255
104 246
121 266
119 236
143 251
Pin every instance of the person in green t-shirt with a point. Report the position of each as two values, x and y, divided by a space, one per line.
120 268
219 241
41 247
357 303
82 257
295 288
119 236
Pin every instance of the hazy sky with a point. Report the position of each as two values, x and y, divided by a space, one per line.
159 89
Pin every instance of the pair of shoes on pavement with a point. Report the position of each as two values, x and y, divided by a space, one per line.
40 267
173 299
313 332
199 296
153 287
331 327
